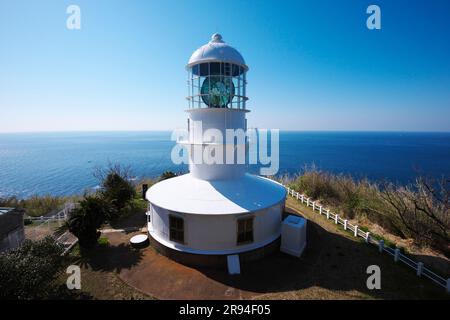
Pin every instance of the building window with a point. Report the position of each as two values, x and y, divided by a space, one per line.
176 229
245 231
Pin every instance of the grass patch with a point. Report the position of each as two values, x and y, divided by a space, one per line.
103 241
364 228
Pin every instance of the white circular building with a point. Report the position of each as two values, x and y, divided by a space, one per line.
217 209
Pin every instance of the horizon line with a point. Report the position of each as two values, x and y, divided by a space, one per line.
170 130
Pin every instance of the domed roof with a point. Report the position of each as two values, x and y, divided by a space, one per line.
217 50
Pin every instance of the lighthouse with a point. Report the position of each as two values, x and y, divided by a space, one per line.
217 210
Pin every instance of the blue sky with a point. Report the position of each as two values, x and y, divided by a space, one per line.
313 64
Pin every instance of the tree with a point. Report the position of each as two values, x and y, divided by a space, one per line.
116 186
86 219
423 211
31 271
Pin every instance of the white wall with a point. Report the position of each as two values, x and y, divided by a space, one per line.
202 120
214 118
216 234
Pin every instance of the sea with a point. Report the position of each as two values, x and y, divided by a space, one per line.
64 163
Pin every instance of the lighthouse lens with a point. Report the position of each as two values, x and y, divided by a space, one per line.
217 92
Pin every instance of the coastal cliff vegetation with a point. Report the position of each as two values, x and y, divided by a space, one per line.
418 211
36 206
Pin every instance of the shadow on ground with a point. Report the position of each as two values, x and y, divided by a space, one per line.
109 257
333 262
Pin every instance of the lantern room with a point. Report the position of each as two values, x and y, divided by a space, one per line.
217 76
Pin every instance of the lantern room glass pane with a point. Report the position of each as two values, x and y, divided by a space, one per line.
217 85
217 91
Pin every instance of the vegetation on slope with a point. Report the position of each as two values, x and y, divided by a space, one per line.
420 211
36 206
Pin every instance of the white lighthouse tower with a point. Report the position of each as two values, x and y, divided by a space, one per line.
217 209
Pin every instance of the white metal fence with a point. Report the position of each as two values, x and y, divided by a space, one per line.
48 225
419 267
60 215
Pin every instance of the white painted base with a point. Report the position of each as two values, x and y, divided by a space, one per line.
234 250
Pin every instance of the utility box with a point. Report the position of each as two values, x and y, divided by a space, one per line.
293 235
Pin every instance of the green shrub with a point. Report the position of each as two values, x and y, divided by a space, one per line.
12 202
86 219
117 188
103 241
31 271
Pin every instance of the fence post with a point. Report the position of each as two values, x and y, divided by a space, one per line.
396 254
307 202
314 205
328 214
419 269
368 237
356 231
320 210
345 224
336 218
297 195
302 198
381 246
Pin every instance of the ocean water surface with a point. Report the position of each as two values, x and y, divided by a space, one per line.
63 163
